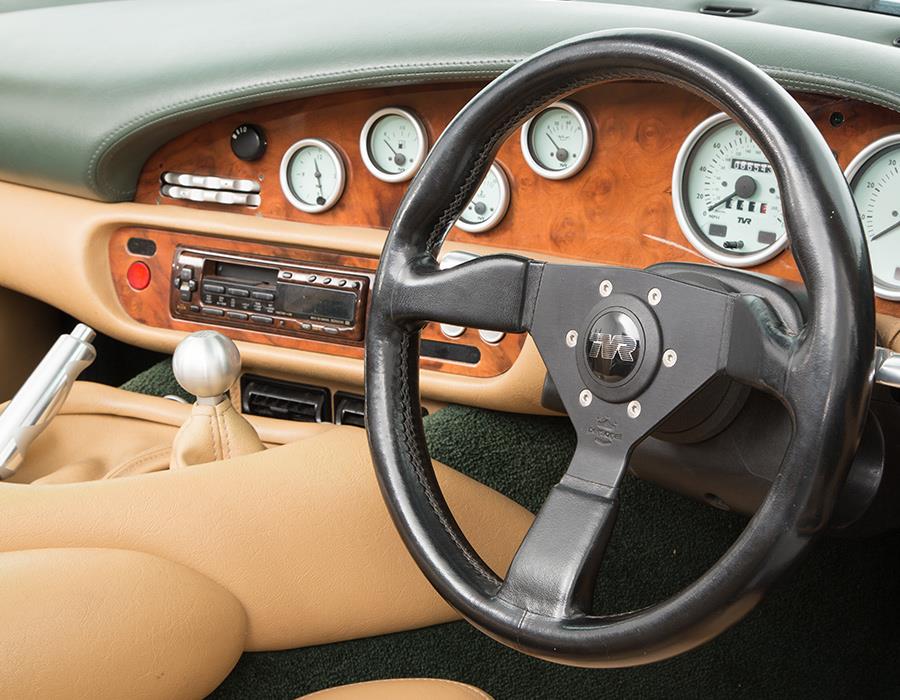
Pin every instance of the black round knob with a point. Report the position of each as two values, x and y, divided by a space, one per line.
248 142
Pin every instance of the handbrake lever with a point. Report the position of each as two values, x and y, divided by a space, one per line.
887 367
42 394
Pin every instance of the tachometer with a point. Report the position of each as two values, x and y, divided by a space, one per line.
874 177
726 196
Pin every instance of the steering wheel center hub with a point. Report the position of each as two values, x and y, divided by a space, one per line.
620 348
614 346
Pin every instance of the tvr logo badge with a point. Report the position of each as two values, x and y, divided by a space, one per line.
613 346
607 346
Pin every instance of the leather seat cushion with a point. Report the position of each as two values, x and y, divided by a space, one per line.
403 689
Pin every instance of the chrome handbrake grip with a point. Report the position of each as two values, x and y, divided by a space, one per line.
887 367
42 394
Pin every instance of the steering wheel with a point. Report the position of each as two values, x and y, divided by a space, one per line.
604 334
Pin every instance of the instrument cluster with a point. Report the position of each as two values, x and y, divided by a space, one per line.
578 176
393 143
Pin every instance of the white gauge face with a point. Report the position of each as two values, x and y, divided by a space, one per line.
312 175
557 142
874 177
726 195
488 207
393 144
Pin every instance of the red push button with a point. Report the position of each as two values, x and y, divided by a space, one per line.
138 276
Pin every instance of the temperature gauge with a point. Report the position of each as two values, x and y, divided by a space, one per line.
393 144
557 142
488 207
312 175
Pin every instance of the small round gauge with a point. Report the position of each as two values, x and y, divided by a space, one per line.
726 195
312 175
557 142
874 177
489 204
393 144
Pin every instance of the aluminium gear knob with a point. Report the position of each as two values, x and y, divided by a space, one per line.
206 364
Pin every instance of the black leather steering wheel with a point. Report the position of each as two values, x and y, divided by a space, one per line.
822 374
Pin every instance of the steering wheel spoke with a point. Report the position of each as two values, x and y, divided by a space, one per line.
493 292
554 572
761 349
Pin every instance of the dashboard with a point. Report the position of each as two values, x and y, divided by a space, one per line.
96 134
627 173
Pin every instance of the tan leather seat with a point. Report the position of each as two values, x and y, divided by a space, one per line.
403 689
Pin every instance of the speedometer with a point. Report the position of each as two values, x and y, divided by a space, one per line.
726 196
874 177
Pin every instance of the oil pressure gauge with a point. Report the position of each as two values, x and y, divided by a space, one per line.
557 142
726 195
393 144
312 175
874 177
489 204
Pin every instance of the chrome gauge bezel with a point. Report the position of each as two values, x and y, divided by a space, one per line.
857 166
288 191
580 161
421 151
499 212
683 214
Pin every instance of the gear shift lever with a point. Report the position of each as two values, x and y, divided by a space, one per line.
206 364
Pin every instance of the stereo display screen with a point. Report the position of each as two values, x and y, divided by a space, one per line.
317 304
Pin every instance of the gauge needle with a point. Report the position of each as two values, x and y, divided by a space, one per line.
890 228
745 187
562 155
318 175
399 158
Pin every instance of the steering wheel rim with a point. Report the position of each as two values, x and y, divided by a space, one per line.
822 375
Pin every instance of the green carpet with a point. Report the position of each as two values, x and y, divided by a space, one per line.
832 629
158 380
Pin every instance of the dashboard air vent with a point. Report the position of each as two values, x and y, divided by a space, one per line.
209 188
727 11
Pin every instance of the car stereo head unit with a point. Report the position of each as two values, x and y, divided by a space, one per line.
269 295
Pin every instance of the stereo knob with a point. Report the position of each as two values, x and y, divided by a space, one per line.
248 142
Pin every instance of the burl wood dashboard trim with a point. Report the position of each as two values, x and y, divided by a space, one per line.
618 210
151 306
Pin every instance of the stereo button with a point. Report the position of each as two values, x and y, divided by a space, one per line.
237 292
265 320
264 296
211 311
236 315
330 330
213 288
